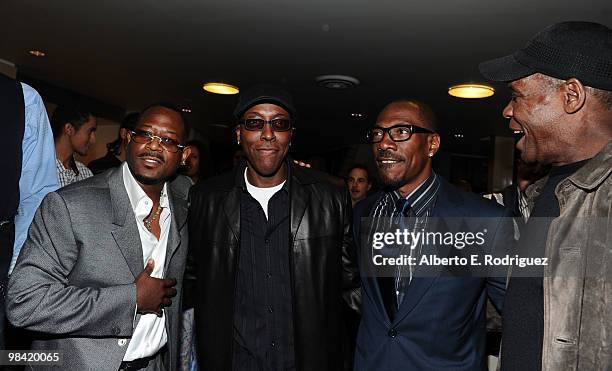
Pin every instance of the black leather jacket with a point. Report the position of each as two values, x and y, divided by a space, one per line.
322 259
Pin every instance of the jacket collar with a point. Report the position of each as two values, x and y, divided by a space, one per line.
295 173
126 234
299 195
595 171
588 177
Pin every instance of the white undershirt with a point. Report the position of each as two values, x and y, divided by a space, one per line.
150 333
262 195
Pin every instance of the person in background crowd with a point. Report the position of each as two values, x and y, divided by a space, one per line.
272 251
194 166
28 170
74 131
411 321
79 281
358 182
513 198
194 170
115 154
558 317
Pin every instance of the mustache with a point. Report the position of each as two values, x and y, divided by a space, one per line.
152 154
387 154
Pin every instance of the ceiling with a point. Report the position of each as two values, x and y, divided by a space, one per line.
132 53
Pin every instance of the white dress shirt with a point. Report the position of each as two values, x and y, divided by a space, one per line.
150 334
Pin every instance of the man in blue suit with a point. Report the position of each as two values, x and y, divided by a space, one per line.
432 319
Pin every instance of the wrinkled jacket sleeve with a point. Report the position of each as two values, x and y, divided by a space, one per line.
351 281
195 239
40 296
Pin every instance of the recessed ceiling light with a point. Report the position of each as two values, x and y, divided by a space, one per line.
221 88
357 115
37 53
186 110
458 135
517 131
471 91
337 82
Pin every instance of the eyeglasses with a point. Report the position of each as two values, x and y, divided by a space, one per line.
258 124
397 133
168 144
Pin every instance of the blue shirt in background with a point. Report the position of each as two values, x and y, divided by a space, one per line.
38 174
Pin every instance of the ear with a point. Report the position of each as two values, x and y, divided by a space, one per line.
238 131
69 129
574 95
433 144
123 132
186 153
128 136
369 185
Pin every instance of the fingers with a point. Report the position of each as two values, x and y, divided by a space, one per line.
169 293
302 163
169 282
166 302
149 267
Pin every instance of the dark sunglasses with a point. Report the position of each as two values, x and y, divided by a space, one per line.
258 124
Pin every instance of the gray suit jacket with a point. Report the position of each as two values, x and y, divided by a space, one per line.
74 278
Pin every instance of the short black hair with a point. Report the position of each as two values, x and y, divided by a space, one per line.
170 107
68 114
130 120
426 112
362 167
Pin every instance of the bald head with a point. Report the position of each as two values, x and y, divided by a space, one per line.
426 115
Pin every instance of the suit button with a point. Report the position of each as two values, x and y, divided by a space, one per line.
121 342
392 333
115 330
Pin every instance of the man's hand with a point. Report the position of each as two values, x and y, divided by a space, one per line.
153 294
302 163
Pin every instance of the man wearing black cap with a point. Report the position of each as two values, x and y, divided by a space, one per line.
271 244
560 318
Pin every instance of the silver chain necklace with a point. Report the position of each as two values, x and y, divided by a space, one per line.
149 220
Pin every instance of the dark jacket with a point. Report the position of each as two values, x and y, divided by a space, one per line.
321 266
441 322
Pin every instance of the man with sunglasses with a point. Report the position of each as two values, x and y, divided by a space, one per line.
271 243
105 256
415 319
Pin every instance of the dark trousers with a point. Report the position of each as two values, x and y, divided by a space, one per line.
7 239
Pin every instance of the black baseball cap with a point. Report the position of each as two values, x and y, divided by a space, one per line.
264 93
563 50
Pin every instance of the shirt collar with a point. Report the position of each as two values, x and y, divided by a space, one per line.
241 175
139 200
422 195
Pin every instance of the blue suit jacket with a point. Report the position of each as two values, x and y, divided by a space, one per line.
440 325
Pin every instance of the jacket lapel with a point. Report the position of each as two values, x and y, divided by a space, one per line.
299 193
368 272
231 211
178 208
126 234
440 222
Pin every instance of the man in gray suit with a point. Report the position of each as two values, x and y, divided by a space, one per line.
79 281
